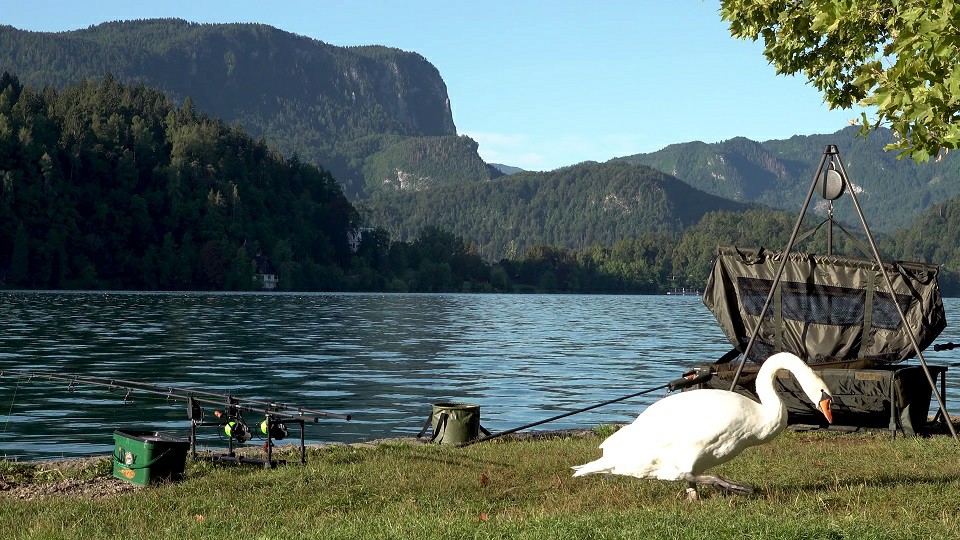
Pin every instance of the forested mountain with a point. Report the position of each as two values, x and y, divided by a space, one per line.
934 237
105 184
778 173
109 185
357 111
574 207
379 119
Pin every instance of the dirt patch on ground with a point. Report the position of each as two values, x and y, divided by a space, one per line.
95 488
82 477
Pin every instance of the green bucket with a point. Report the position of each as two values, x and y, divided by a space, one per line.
455 423
145 457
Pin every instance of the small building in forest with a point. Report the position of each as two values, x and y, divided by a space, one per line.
265 273
355 237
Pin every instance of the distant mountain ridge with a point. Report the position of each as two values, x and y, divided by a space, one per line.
349 109
379 119
778 173
577 206
506 169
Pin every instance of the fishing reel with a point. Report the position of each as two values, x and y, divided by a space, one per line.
234 428
275 430
237 429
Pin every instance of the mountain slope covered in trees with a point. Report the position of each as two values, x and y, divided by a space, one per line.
352 110
778 173
933 237
573 207
107 185
110 186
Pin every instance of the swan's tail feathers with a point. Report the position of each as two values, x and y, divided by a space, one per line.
594 467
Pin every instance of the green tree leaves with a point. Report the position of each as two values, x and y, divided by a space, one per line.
899 57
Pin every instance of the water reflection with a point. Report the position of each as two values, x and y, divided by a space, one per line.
382 358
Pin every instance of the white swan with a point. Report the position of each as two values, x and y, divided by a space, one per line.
682 435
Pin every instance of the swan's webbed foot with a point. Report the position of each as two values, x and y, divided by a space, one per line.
724 484
691 492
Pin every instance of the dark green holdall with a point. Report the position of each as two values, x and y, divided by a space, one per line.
145 457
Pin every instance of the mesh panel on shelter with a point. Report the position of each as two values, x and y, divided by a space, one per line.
825 309
823 304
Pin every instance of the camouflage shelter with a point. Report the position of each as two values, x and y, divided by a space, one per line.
838 314
826 309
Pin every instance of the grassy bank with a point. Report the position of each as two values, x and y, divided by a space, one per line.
809 486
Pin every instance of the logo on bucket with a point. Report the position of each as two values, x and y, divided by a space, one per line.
127 473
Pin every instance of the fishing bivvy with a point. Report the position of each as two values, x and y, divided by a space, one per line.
893 397
829 310
852 320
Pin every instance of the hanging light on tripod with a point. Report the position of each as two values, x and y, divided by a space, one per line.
830 184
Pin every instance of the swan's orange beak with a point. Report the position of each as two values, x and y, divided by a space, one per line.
825 406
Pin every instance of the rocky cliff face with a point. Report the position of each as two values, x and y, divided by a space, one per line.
414 93
328 104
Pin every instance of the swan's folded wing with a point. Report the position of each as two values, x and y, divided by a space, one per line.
682 433
715 422
691 416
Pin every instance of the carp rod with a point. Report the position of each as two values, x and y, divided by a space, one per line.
190 395
690 378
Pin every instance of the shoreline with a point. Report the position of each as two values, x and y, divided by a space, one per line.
104 484
66 463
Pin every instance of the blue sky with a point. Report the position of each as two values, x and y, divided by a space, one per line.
539 84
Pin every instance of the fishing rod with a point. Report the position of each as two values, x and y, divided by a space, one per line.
689 379
949 346
187 394
178 392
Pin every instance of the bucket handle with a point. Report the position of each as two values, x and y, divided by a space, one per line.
441 423
117 459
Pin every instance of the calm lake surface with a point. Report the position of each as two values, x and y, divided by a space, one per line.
384 358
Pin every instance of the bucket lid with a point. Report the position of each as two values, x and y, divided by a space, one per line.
149 436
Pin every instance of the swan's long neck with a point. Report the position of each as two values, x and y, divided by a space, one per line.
774 411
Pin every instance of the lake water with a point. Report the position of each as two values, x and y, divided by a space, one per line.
384 358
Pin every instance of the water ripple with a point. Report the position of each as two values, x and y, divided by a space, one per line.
384 358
